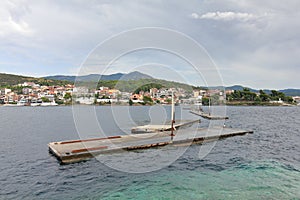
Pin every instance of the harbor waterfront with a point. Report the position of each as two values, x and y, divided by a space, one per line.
138 100
33 94
262 165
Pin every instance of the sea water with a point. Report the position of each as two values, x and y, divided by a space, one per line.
263 165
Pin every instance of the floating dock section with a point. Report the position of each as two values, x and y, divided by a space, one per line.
164 127
79 150
208 116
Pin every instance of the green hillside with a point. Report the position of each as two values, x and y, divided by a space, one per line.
11 79
133 85
139 80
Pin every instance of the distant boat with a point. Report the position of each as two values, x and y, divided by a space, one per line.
22 102
49 104
10 105
35 102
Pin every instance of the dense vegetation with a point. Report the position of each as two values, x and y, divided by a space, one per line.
145 84
243 95
136 85
147 87
9 80
247 95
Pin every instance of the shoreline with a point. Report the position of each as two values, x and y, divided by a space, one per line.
240 103
138 105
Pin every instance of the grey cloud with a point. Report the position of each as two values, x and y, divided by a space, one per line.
261 35
225 16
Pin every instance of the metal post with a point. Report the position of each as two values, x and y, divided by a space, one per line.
172 117
209 106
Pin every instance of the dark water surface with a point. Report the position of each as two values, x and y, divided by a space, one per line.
264 165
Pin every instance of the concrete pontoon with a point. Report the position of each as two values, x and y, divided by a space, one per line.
79 150
208 116
151 128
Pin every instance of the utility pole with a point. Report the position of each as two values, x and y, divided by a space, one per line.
172 117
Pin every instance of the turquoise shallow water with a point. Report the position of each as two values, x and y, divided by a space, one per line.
263 180
263 165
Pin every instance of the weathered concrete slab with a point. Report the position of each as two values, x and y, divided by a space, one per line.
207 116
78 150
151 128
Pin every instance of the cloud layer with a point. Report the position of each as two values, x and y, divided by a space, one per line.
254 43
225 16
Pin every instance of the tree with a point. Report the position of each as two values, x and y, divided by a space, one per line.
205 101
45 99
257 99
57 100
246 90
105 97
261 92
68 96
147 100
264 97
147 87
248 95
289 99
169 101
130 102
244 95
276 95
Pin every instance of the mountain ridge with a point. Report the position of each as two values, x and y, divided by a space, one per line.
96 77
12 79
287 92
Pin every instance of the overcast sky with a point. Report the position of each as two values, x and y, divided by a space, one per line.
254 43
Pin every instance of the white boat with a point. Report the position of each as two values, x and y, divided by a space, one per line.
10 105
22 102
49 104
35 104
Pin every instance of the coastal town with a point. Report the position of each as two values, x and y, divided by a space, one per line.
33 94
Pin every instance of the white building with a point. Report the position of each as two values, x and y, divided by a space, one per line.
5 91
279 101
84 100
